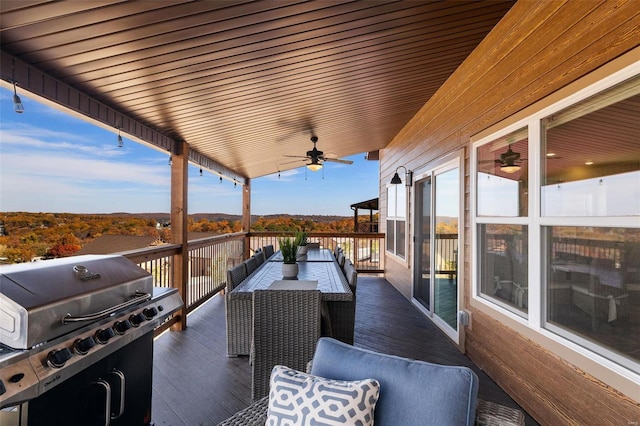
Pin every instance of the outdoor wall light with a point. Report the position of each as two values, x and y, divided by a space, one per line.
17 103
408 176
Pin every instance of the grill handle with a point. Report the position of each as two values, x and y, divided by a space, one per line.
138 298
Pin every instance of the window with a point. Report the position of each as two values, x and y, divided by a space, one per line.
502 176
396 219
560 191
501 206
591 170
504 261
591 156
592 288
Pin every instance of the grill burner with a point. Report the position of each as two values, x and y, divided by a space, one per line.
60 317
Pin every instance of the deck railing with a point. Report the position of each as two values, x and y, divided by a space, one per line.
363 248
209 258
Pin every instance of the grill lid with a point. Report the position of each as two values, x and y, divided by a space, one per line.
35 298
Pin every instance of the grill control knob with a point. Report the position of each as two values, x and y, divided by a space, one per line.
121 327
82 346
57 358
137 319
104 334
150 312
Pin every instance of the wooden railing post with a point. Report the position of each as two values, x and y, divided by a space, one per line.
179 222
246 217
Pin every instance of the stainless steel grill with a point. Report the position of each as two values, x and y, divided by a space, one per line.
59 318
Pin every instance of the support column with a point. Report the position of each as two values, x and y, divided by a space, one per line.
246 216
355 219
179 223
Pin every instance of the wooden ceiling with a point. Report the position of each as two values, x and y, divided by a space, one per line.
245 83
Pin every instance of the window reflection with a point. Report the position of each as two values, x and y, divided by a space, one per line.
504 264
593 285
591 156
502 176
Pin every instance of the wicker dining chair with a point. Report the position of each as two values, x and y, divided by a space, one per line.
286 329
341 259
268 251
351 275
259 256
238 314
251 264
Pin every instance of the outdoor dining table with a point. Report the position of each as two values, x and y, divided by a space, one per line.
338 301
320 267
313 255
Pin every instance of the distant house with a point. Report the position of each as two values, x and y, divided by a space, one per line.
110 244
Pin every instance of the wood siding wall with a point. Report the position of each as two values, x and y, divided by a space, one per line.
539 48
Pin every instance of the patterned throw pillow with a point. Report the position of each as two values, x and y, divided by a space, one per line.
300 399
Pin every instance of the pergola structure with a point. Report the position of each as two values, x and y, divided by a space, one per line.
371 205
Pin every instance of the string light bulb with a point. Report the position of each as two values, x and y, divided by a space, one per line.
170 160
200 171
17 103
120 141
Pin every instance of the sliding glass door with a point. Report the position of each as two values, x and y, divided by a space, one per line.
436 246
422 233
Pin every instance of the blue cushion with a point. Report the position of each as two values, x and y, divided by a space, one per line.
411 392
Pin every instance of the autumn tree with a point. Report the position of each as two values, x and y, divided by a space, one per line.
67 246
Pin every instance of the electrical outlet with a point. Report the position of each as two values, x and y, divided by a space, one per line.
464 318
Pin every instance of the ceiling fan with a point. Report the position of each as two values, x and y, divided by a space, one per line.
509 161
316 157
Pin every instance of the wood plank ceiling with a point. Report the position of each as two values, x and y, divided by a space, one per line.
245 83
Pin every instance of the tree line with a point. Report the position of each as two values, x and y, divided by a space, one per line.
25 236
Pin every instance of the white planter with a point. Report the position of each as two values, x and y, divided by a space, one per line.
302 250
289 270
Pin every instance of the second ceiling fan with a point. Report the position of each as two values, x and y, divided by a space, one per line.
315 157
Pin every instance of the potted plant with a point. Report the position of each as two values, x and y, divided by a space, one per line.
302 239
289 250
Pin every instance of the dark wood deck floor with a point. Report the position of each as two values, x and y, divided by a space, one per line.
195 383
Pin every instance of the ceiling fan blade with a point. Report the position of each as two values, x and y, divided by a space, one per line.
294 161
296 156
338 160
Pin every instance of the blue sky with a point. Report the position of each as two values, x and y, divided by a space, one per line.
51 161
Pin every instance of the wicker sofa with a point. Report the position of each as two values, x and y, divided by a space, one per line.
411 392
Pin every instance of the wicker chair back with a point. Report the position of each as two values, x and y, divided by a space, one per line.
286 329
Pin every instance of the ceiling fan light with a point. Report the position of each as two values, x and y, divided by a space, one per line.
314 166
510 168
